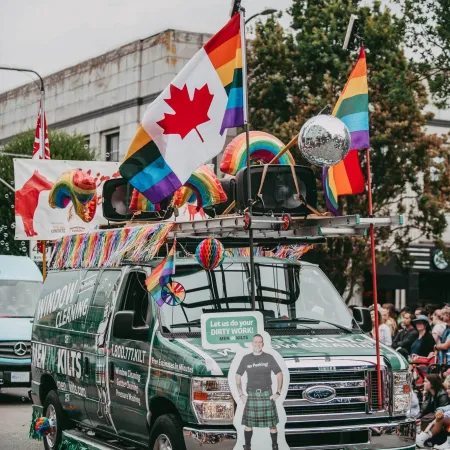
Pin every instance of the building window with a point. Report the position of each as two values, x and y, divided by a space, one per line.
112 147
87 142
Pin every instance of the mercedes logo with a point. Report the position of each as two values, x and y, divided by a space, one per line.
20 349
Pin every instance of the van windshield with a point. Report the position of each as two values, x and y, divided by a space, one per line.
19 298
289 296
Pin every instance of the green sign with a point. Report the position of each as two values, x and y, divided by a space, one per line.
229 329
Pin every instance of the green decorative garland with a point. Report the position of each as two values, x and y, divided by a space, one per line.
70 443
38 411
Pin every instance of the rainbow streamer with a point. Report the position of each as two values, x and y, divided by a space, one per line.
108 248
346 178
263 147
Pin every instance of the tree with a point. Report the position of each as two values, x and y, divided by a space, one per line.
62 146
409 168
428 36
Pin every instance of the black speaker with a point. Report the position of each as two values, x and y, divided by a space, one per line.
279 193
229 186
117 194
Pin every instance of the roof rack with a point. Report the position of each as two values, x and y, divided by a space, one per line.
232 230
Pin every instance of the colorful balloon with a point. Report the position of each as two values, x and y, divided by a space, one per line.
210 253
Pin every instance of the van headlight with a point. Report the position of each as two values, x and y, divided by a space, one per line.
212 400
402 392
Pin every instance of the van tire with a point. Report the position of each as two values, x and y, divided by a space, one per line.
167 427
52 402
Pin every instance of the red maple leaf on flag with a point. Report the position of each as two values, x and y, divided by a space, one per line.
188 113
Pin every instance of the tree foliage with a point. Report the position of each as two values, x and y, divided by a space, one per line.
294 73
428 36
62 146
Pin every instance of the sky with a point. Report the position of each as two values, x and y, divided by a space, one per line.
50 35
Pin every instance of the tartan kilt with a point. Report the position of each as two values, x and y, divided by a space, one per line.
260 411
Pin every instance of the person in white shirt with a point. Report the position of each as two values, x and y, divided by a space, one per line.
383 329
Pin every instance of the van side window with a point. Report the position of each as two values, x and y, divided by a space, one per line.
107 286
101 305
136 298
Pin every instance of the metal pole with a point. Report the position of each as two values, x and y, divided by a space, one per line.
249 181
42 130
374 281
7 184
44 259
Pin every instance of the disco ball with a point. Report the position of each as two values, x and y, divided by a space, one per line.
324 140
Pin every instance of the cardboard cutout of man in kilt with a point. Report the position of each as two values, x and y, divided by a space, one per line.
260 408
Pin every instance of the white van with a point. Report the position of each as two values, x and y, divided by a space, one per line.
20 286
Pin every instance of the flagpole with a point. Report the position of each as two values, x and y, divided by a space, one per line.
372 244
374 280
247 138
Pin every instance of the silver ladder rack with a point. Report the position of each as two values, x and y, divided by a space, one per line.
284 229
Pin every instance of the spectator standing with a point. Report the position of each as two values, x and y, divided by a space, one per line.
390 317
438 325
383 330
444 344
420 311
403 311
405 337
424 344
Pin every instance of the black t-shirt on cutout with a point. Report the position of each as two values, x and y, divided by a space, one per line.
259 370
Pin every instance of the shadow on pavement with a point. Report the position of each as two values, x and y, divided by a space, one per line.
14 397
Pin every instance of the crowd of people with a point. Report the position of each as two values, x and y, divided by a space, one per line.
420 334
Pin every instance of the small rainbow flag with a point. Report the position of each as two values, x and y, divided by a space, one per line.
160 276
346 178
140 203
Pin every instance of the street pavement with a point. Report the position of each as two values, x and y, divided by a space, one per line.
15 417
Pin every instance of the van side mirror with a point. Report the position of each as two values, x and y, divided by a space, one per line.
362 318
123 326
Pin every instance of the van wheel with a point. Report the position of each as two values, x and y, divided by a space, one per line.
167 434
53 410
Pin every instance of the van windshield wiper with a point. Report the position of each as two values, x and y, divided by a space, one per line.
195 323
308 320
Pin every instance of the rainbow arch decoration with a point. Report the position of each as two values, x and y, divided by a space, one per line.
206 186
263 147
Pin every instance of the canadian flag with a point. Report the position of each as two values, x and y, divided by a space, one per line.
38 150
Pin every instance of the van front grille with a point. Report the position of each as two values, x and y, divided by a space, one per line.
7 350
354 392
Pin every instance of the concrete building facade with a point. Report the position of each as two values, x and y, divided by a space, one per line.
103 98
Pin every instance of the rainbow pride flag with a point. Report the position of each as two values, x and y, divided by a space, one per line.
346 177
225 53
161 275
185 126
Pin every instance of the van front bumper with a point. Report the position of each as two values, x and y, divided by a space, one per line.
15 375
390 435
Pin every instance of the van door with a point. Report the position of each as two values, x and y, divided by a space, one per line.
129 359
95 348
